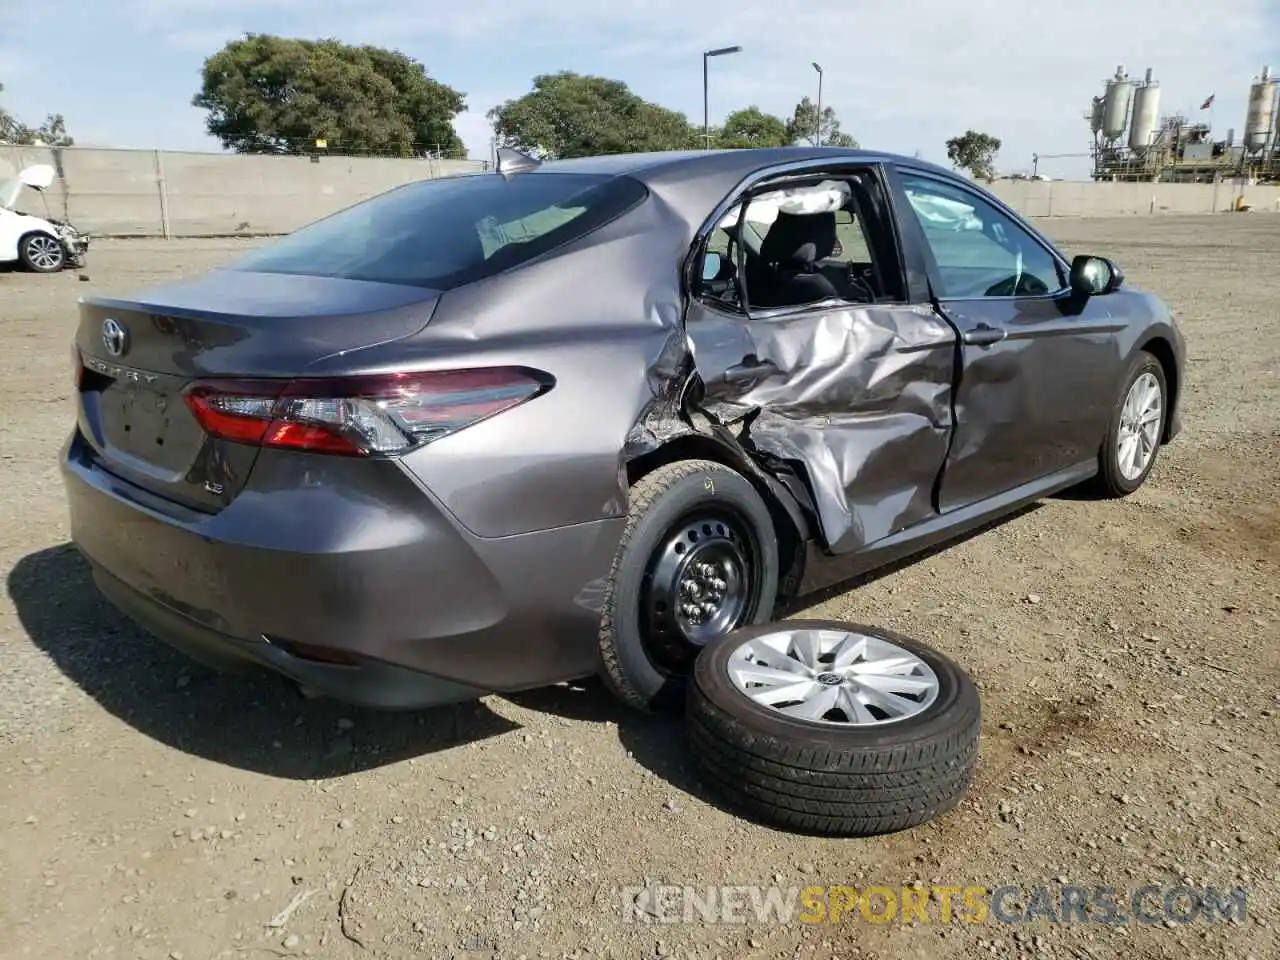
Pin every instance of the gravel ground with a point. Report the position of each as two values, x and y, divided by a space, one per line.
1126 653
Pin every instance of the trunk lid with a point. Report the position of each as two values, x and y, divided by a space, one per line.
140 353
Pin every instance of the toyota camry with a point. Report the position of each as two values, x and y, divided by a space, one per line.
492 432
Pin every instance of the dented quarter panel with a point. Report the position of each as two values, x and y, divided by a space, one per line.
604 319
858 396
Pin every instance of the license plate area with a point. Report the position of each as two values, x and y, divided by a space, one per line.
142 418
137 418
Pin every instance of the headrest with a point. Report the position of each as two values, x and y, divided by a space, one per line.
797 239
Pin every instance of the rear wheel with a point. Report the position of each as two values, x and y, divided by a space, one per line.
1132 444
42 253
698 559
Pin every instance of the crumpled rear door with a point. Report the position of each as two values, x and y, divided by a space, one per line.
857 396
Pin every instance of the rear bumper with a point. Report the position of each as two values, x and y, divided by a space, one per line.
357 558
370 684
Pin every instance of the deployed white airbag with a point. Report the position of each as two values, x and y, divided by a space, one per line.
951 214
826 197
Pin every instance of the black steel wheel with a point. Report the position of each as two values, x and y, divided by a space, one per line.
698 559
699 584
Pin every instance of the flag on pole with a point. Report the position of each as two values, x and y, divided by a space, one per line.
1208 103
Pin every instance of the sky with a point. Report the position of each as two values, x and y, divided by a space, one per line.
902 75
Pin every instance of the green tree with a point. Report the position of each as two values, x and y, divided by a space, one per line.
975 152
51 133
803 125
568 114
753 127
268 94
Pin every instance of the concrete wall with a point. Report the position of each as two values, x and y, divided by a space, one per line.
1039 198
158 193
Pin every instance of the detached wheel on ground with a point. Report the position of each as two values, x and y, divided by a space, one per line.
41 253
1133 438
832 728
698 559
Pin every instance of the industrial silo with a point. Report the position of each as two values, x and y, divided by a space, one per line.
1262 108
1096 111
1115 110
1146 113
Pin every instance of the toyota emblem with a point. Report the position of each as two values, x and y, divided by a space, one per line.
114 337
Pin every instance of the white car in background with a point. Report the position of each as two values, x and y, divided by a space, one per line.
39 244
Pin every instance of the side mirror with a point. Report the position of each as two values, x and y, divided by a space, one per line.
718 273
1095 276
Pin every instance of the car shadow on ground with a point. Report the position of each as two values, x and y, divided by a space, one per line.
253 721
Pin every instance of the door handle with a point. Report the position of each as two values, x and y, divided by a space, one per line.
984 335
751 367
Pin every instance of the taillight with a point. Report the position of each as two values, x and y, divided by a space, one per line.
358 416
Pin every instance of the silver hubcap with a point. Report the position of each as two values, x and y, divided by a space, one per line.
44 252
833 676
1140 420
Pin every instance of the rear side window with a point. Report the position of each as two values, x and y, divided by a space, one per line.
451 231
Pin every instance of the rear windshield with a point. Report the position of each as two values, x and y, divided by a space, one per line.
446 232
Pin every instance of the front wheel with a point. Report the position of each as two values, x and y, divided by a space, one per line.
1134 435
698 559
42 253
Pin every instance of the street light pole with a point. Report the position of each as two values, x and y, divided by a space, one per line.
818 125
706 113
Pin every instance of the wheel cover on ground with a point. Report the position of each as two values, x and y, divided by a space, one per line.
44 253
833 677
699 585
1141 418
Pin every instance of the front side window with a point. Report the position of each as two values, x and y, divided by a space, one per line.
979 251
446 232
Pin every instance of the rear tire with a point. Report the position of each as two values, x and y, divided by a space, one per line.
830 776
683 515
42 253
1120 471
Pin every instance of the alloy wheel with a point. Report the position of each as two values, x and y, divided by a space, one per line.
44 253
833 677
1141 418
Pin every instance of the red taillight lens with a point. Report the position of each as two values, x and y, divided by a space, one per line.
236 416
359 416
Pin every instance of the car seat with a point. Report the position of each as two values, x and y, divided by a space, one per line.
790 249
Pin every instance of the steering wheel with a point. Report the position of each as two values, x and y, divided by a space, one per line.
1018 285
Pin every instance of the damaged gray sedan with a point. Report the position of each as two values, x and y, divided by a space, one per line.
492 432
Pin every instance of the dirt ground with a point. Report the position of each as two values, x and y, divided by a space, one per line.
1126 653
